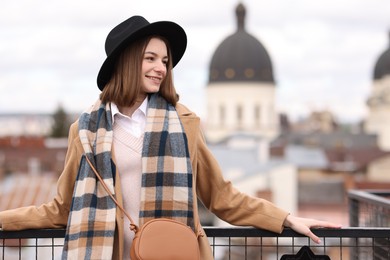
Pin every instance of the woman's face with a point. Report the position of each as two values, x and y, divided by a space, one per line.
154 65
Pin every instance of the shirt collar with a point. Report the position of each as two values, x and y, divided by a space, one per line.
115 110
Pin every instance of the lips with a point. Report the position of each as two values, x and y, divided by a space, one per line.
156 80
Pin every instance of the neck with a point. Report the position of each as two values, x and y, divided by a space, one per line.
129 110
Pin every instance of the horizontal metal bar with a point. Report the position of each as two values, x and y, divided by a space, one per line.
33 233
372 197
350 232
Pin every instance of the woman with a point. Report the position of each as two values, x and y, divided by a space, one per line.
149 149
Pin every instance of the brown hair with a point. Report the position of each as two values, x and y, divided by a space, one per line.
125 83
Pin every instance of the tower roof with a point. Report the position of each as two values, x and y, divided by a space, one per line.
382 66
241 57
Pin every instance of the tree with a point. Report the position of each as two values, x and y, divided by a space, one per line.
61 123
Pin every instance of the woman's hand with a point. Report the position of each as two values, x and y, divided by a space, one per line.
303 225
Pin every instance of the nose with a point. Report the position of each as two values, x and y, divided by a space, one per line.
160 67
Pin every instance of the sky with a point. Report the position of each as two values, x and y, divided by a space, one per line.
323 52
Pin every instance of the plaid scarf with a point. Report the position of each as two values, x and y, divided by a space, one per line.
166 189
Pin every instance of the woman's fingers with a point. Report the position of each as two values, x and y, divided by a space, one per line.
303 225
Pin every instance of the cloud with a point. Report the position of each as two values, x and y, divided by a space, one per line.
323 49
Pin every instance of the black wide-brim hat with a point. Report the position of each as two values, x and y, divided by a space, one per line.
134 28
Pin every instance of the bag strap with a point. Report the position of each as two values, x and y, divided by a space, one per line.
133 226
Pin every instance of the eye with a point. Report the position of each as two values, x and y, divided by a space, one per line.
150 58
165 62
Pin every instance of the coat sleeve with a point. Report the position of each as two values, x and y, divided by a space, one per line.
228 203
53 214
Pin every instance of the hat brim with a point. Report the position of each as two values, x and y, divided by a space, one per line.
171 31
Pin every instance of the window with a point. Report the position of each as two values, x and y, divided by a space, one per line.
239 115
222 115
257 115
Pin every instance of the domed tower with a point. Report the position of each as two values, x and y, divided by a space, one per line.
241 87
378 120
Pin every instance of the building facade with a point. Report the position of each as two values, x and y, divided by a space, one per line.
378 120
241 88
242 119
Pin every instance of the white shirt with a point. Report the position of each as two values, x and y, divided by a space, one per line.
128 139
135 124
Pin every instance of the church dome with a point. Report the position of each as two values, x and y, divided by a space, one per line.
241 57
382 67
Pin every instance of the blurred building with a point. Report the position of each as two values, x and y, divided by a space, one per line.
241 88
317 121
306 166
242 119
32 155
24 124
29 169
378 120
30 161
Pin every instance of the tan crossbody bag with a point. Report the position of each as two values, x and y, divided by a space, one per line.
160 238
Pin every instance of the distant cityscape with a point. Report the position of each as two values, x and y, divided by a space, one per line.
305 167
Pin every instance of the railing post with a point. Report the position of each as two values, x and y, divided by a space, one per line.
353 210
354 206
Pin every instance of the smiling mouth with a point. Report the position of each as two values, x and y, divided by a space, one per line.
154 79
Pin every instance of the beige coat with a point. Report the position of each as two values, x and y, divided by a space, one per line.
217 194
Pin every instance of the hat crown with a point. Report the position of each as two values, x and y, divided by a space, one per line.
122 31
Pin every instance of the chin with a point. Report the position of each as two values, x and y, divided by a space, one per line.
152 91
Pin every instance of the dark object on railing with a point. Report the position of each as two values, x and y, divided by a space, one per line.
305 254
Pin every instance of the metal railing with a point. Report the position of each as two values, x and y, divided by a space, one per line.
229 243
369 208
367 238
346 243
32 244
